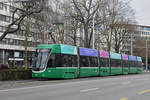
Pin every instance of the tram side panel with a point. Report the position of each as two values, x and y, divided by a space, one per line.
104 63
115 64
132 64
125 64
88 62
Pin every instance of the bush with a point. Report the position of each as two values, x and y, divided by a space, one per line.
15 74
3 66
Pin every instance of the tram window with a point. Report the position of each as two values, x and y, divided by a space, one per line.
125 63
104 62
68 60
132 64
84 61
62 60
54 60
136 64
139 64
115 63
93 61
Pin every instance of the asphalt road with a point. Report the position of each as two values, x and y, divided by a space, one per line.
129 87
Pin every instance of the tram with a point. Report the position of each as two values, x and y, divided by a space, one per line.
67 62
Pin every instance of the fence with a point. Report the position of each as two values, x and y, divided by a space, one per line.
15 74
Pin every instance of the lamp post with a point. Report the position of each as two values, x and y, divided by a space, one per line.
131 44
146 55
93 32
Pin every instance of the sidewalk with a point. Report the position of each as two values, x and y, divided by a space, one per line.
13 84
146 71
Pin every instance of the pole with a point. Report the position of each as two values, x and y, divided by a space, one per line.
131 44
78 60
93 32
50 33
3 56
146 55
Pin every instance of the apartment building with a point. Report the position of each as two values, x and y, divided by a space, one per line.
140 32
143 30
12 47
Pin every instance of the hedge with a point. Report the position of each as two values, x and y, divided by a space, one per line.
15 74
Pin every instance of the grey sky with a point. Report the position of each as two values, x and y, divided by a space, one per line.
142 8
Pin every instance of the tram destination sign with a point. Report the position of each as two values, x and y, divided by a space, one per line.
124 57
88 52
132 58
104 54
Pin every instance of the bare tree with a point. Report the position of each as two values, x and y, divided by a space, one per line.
117 17
71 25
122 29
23 9
83 11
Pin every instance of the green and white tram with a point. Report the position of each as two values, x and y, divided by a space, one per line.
65 61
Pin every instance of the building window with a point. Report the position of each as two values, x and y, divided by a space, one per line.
4 41
7 18
16 42
20 42
23 32
11 42
7 41
11 8
5 7
1 28
1 5
2 17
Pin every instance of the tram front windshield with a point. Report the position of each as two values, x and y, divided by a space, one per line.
42 59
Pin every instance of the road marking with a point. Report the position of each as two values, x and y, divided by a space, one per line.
124 99
125 83
87 90
52 85
143 92
69 83
146 79
45 86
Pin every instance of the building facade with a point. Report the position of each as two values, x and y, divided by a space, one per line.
12 47
139 31
137 42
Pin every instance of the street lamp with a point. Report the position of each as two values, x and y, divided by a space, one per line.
131 44
146 55
94 31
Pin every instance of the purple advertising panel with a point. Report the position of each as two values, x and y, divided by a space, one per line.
124 57
104 54
132 58
88 52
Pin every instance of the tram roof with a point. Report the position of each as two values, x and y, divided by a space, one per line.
114 55
132 58
59 48
139 58
124 57
104 54
88 52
